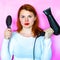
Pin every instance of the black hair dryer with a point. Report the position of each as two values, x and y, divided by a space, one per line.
53 24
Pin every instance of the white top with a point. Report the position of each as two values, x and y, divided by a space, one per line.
22 48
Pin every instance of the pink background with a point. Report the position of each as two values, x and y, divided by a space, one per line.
10 7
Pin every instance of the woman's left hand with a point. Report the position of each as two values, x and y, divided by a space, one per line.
48 32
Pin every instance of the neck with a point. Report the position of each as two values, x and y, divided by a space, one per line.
27 32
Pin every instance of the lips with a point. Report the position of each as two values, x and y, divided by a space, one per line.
26 23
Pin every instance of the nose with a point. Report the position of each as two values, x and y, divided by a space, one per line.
26 19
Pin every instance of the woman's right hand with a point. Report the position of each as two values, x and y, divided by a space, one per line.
7 33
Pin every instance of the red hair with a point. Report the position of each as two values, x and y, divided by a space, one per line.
35 28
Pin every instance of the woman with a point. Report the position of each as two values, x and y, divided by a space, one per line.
29 42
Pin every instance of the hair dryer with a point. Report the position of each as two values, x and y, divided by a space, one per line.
53 24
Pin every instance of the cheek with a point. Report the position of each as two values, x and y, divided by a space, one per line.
21 20
32 22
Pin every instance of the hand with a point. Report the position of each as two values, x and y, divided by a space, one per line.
7 33
48 32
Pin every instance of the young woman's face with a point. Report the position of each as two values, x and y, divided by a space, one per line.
27 18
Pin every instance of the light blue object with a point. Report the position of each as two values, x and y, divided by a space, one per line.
22 48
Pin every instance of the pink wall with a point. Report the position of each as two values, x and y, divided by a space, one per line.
11 7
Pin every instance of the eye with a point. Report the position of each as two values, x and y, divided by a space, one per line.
22 16
29 16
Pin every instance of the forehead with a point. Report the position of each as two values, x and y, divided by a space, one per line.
25 12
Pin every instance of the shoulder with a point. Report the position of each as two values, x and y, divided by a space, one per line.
14 37
14 34
44 41
41 37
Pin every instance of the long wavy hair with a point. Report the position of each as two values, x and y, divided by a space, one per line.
35 28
